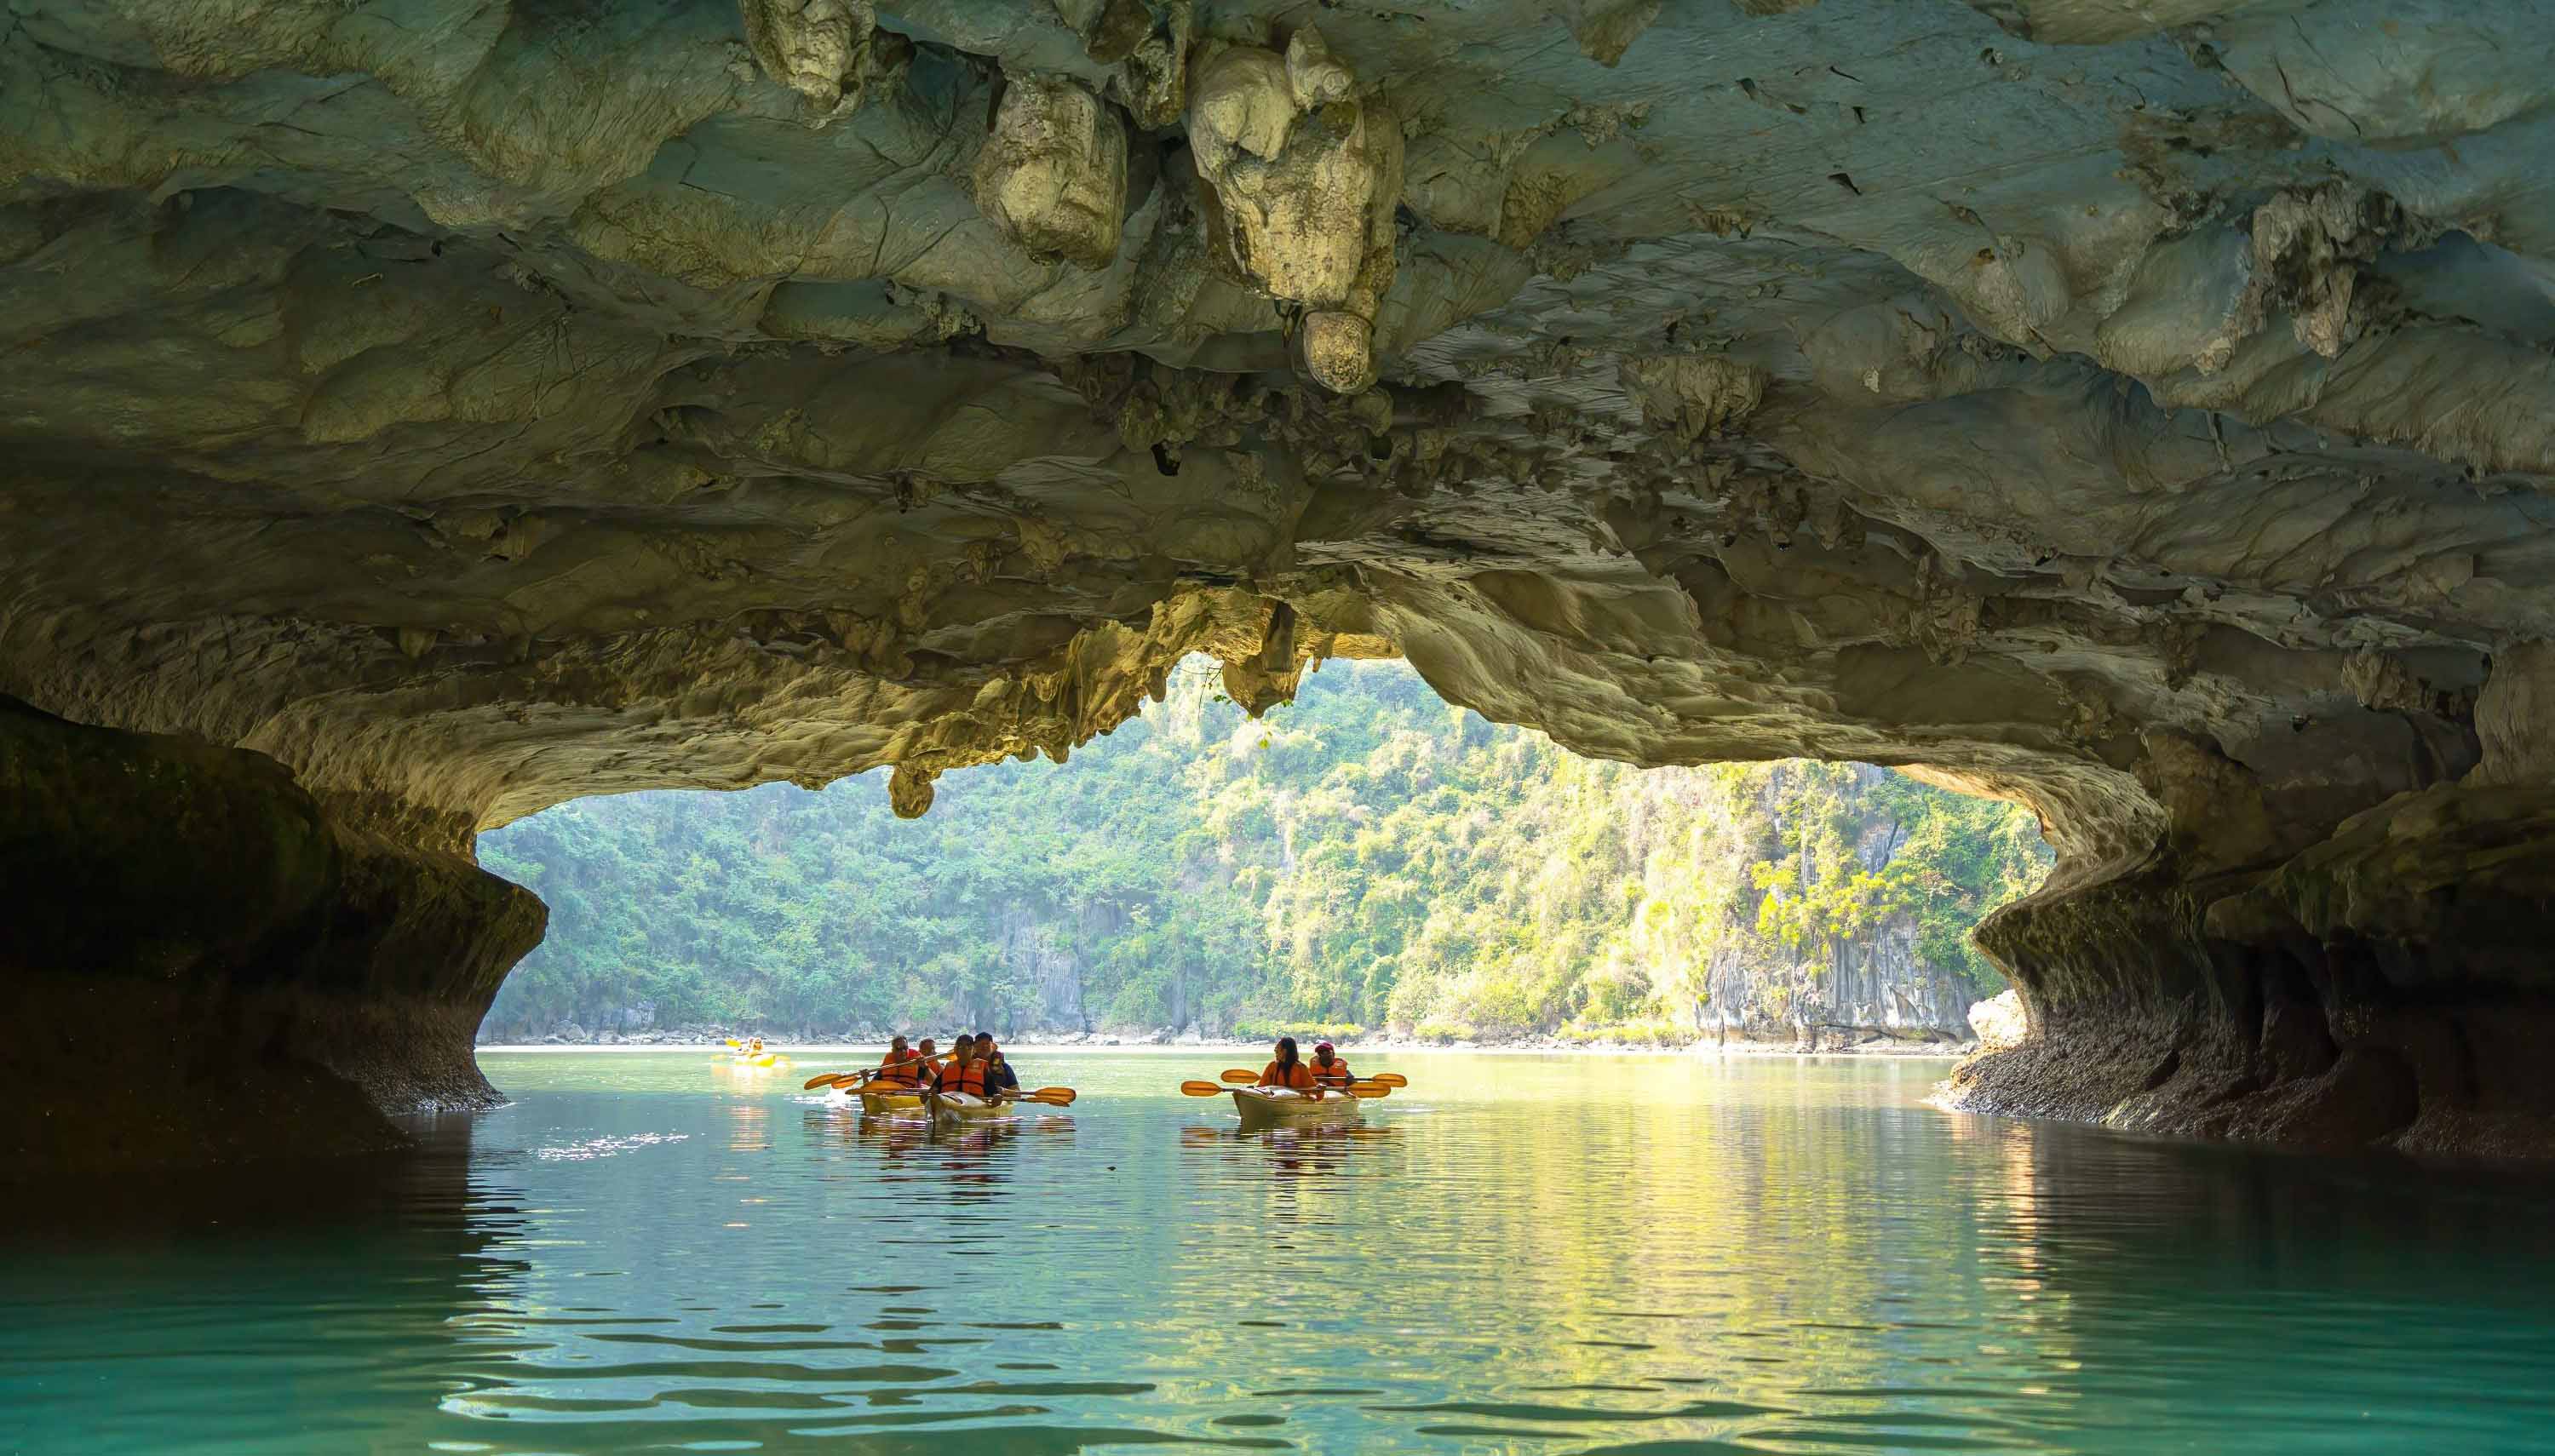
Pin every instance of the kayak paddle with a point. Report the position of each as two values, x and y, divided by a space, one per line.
1240 1078
843 1081
849 1080
1368 1090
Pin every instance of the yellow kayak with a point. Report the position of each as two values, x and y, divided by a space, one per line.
882 1101
1281 1107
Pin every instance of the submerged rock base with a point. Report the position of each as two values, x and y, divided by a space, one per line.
2387 987
202 962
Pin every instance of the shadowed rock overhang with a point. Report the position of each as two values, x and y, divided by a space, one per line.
2144 411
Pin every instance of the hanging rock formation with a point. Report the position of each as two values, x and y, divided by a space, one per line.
1303 179
2141 410
1054 174
820 49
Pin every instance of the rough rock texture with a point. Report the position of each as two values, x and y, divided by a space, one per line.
2142 410
820 49
1997 1022
1053 172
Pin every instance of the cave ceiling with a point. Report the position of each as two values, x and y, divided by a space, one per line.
477 404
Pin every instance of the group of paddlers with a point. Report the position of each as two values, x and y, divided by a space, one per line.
976 1066
973 1079
972 1064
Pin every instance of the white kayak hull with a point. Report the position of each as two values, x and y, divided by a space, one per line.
959 1109
1276 1107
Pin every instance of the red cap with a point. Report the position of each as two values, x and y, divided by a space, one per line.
1321 1046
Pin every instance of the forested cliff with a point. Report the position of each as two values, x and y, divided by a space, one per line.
1366 857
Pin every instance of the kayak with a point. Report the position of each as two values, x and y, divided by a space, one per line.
959 1109
759 1063
1280 1107
879 1100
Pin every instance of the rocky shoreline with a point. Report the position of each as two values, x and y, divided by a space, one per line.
1870 1045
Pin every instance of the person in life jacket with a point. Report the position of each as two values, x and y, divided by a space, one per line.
897 1066
1287 1070
963 1073
999 1077
915 1070
1328 1069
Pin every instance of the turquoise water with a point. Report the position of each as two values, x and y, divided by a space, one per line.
1527 1255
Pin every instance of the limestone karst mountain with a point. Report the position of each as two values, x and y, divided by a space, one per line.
2141 410
1361 858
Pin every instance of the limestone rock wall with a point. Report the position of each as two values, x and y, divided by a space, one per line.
1037 944
201 954
2135 409
1875 982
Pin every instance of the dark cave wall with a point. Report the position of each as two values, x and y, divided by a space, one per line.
200 962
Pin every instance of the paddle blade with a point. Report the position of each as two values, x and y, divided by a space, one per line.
739 1045
822 1079
1387 1079
1240 1078
1200 1089
1067 1093
1366 1089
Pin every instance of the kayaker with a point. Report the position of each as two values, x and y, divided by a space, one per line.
963 1072
1289 1070
1328 1069
897 1066
999 1077
917 1071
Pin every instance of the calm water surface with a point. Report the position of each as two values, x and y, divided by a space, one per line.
1519 1255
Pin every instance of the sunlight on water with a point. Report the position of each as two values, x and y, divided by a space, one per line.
593 1148
1518 1255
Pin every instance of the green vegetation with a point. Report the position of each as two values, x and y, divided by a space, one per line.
1367 857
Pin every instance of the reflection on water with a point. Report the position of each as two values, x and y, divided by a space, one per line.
1517 1254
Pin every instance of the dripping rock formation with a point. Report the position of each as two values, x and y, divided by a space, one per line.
422 413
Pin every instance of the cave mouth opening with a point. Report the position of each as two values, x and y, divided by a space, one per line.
1367 860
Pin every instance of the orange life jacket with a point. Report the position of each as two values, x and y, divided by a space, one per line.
1299 1078
969 1078
1334 1076
902 1071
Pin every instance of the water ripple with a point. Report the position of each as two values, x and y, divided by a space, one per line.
1660 1257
